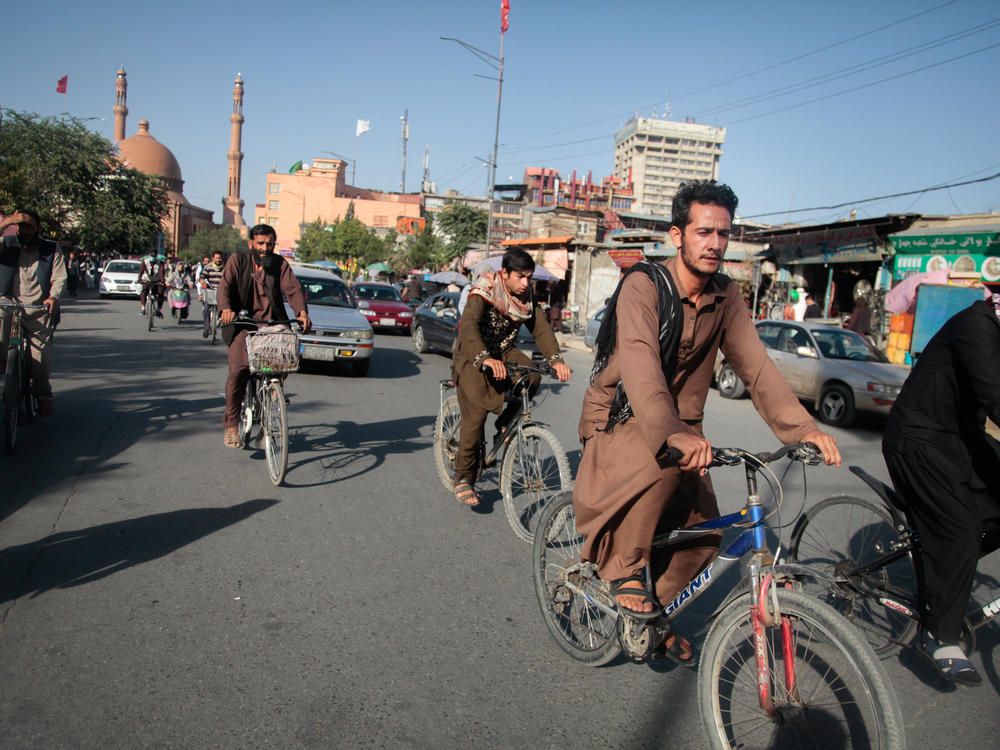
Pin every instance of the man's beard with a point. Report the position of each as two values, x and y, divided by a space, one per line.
267 261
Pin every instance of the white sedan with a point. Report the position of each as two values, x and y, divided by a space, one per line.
120 278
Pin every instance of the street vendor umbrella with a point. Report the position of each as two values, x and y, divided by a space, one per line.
380 268
448 277
493 264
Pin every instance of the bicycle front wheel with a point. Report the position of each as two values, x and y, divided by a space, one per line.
150 310
275 423
214 322
841 534
534 469
247 409
576 605
446 434
11 399
826 687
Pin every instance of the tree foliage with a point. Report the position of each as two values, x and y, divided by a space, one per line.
463 225
70 176
342 240
426 250
223 239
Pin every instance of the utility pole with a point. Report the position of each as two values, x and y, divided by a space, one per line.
406 135
425 186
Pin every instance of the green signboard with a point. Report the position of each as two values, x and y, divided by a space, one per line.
987 265
947 244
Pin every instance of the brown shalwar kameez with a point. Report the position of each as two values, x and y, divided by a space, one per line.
620 492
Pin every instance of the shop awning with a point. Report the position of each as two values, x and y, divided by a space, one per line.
538 241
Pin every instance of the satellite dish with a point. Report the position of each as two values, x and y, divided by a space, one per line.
862 289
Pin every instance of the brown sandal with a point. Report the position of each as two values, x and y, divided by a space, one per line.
232 437
466 495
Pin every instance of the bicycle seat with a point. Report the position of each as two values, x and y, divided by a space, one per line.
883 490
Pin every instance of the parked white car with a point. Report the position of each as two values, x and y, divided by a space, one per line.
339 332
120 278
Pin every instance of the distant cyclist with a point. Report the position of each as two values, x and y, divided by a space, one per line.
153 277
946 470
211 275
499 304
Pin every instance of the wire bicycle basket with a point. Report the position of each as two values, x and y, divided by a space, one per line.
273 349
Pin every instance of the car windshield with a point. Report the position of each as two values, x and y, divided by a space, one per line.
122 267
377 292
839 344
329 292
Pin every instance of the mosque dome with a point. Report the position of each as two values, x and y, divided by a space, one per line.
143 152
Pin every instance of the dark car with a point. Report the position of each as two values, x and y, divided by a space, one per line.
436 321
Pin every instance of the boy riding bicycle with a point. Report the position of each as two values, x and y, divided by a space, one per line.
498 305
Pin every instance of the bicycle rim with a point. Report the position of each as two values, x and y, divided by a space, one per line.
841 696
11 400
581 629
534 470
838 535
247 409
274 420
446 434
149 312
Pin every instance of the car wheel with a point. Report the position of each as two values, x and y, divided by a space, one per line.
836 406
359 368
104 296
419 342
730 385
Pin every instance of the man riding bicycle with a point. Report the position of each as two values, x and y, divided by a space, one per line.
211 275
152 277
32 272
253 280
946 470
499 303
656 350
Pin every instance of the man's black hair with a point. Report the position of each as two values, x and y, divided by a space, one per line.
263 229
517 259
33 215
701 191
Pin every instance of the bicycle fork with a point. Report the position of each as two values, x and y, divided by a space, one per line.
766 614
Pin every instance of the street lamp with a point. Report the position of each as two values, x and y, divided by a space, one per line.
352 162
497 64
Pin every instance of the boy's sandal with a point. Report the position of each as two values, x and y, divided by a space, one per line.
621 587
466 495
676 648
232 437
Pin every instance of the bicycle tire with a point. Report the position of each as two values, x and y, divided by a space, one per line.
583 631
214 322
150 311
446 435
247 409
274 420
29 401
11 399
534 469
842 696
841 532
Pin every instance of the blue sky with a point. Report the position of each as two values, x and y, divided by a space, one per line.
574 73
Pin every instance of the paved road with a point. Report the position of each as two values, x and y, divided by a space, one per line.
157 592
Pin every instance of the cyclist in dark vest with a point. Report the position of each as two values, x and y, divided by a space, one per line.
253 280
33 272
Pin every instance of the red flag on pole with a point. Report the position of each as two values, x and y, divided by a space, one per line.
504 12
61 85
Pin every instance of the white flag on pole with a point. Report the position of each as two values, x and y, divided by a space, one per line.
363 127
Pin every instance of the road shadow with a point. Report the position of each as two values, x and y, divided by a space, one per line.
348 449
75 558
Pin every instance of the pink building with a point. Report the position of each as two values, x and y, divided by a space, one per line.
320 191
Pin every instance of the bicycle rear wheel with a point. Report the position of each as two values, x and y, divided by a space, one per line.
275 423
840 697
842 533
569 591
446 433
534 469
11 399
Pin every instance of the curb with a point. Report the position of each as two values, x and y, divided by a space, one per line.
567 341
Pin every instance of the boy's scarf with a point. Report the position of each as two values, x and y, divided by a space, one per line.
491 288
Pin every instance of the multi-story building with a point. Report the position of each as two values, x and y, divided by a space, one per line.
655 156
546 188
320 192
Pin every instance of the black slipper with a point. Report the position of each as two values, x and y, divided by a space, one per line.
674 651
620 588
959 671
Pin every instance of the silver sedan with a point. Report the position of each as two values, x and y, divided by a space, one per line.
836 370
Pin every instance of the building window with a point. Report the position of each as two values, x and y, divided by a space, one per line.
274 188
381 221
273 221
583 227
272 205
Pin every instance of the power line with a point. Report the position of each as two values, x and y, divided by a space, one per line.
877 198
741 77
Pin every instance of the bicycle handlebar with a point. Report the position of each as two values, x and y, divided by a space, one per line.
542 369
244 318
19 306
807 453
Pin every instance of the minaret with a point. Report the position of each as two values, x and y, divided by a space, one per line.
120 110
232 205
